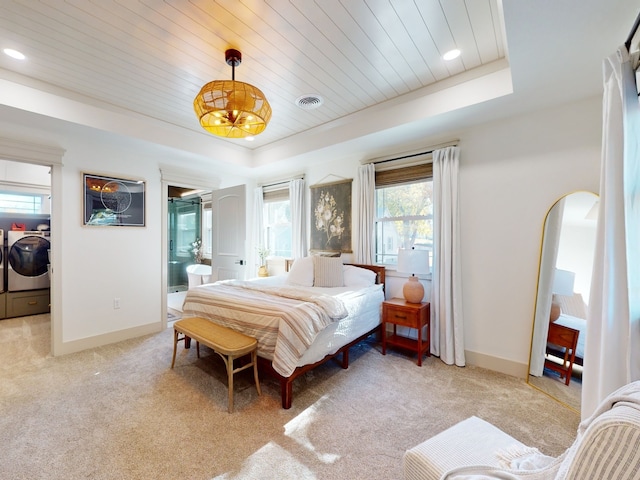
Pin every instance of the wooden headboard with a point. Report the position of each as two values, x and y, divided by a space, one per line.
378 270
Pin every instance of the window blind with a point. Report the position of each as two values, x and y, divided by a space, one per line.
404 175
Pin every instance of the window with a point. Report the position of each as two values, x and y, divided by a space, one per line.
20 203
404 212
277 222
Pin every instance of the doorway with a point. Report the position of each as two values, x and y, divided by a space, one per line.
188 238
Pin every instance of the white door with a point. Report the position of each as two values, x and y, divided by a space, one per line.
229 233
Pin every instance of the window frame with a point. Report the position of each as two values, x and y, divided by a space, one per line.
274 195
31 198
393 175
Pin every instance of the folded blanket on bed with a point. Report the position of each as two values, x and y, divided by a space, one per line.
332 306
284 320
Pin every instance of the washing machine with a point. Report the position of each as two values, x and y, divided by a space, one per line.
27 259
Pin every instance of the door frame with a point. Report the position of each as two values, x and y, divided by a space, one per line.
179 178
50 156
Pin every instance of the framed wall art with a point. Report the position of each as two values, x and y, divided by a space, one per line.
116 202
331 217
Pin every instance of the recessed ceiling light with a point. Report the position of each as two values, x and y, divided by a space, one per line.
451 54
249 139
14 54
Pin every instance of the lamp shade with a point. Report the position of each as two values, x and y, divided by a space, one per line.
563 281
414 262
232 109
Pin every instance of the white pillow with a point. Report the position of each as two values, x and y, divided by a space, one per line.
301 272
327 271
358 277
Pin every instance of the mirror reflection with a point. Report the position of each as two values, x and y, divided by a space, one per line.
559 328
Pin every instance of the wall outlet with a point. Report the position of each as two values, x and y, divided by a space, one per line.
116 303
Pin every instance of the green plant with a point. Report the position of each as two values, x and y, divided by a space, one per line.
263 253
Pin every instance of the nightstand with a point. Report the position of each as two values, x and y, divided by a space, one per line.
566 340
413 315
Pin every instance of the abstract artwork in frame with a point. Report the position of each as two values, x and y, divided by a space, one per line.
331 217
114 202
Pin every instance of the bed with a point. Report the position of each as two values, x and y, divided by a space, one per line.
311 314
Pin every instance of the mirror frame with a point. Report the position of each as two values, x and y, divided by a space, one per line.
537 302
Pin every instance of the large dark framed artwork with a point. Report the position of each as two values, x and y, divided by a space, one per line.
331 217
109 201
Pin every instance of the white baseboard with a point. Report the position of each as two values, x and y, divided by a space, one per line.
497 364
106 339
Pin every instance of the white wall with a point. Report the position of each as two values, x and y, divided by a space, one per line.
94 265
511 172
102 264
575 253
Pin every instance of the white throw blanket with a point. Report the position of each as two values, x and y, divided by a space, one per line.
333 307
528 463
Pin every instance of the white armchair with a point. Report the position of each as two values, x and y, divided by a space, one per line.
607 446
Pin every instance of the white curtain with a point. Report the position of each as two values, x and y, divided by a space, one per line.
612 350
548 258
365 211
258 230
447 332
298 222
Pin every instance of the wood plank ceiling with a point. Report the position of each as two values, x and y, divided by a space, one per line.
151 57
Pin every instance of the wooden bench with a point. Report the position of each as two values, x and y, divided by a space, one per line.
227 343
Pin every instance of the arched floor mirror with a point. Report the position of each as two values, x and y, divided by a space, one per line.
564 282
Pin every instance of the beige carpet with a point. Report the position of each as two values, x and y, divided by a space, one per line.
551 383
120 412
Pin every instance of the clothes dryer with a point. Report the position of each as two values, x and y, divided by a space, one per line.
27 258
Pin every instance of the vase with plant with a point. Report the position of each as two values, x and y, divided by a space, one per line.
263 253
196 250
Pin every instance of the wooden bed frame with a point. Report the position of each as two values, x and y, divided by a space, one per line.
286 383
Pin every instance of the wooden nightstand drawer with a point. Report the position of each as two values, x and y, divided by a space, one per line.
562 341
412 315
563 336
402 317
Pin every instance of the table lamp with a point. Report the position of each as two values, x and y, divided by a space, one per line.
563 281
415 262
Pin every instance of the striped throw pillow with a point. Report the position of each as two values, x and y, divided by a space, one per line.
327 271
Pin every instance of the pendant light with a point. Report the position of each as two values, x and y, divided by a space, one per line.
232 109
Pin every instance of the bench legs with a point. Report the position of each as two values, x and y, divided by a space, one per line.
228 361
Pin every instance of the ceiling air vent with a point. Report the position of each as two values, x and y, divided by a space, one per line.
309 102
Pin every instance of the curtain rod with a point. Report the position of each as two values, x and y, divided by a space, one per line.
275 183
416 153
634 29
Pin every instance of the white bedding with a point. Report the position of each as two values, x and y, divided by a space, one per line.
576 323
269 319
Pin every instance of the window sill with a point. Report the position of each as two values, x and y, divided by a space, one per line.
392 272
